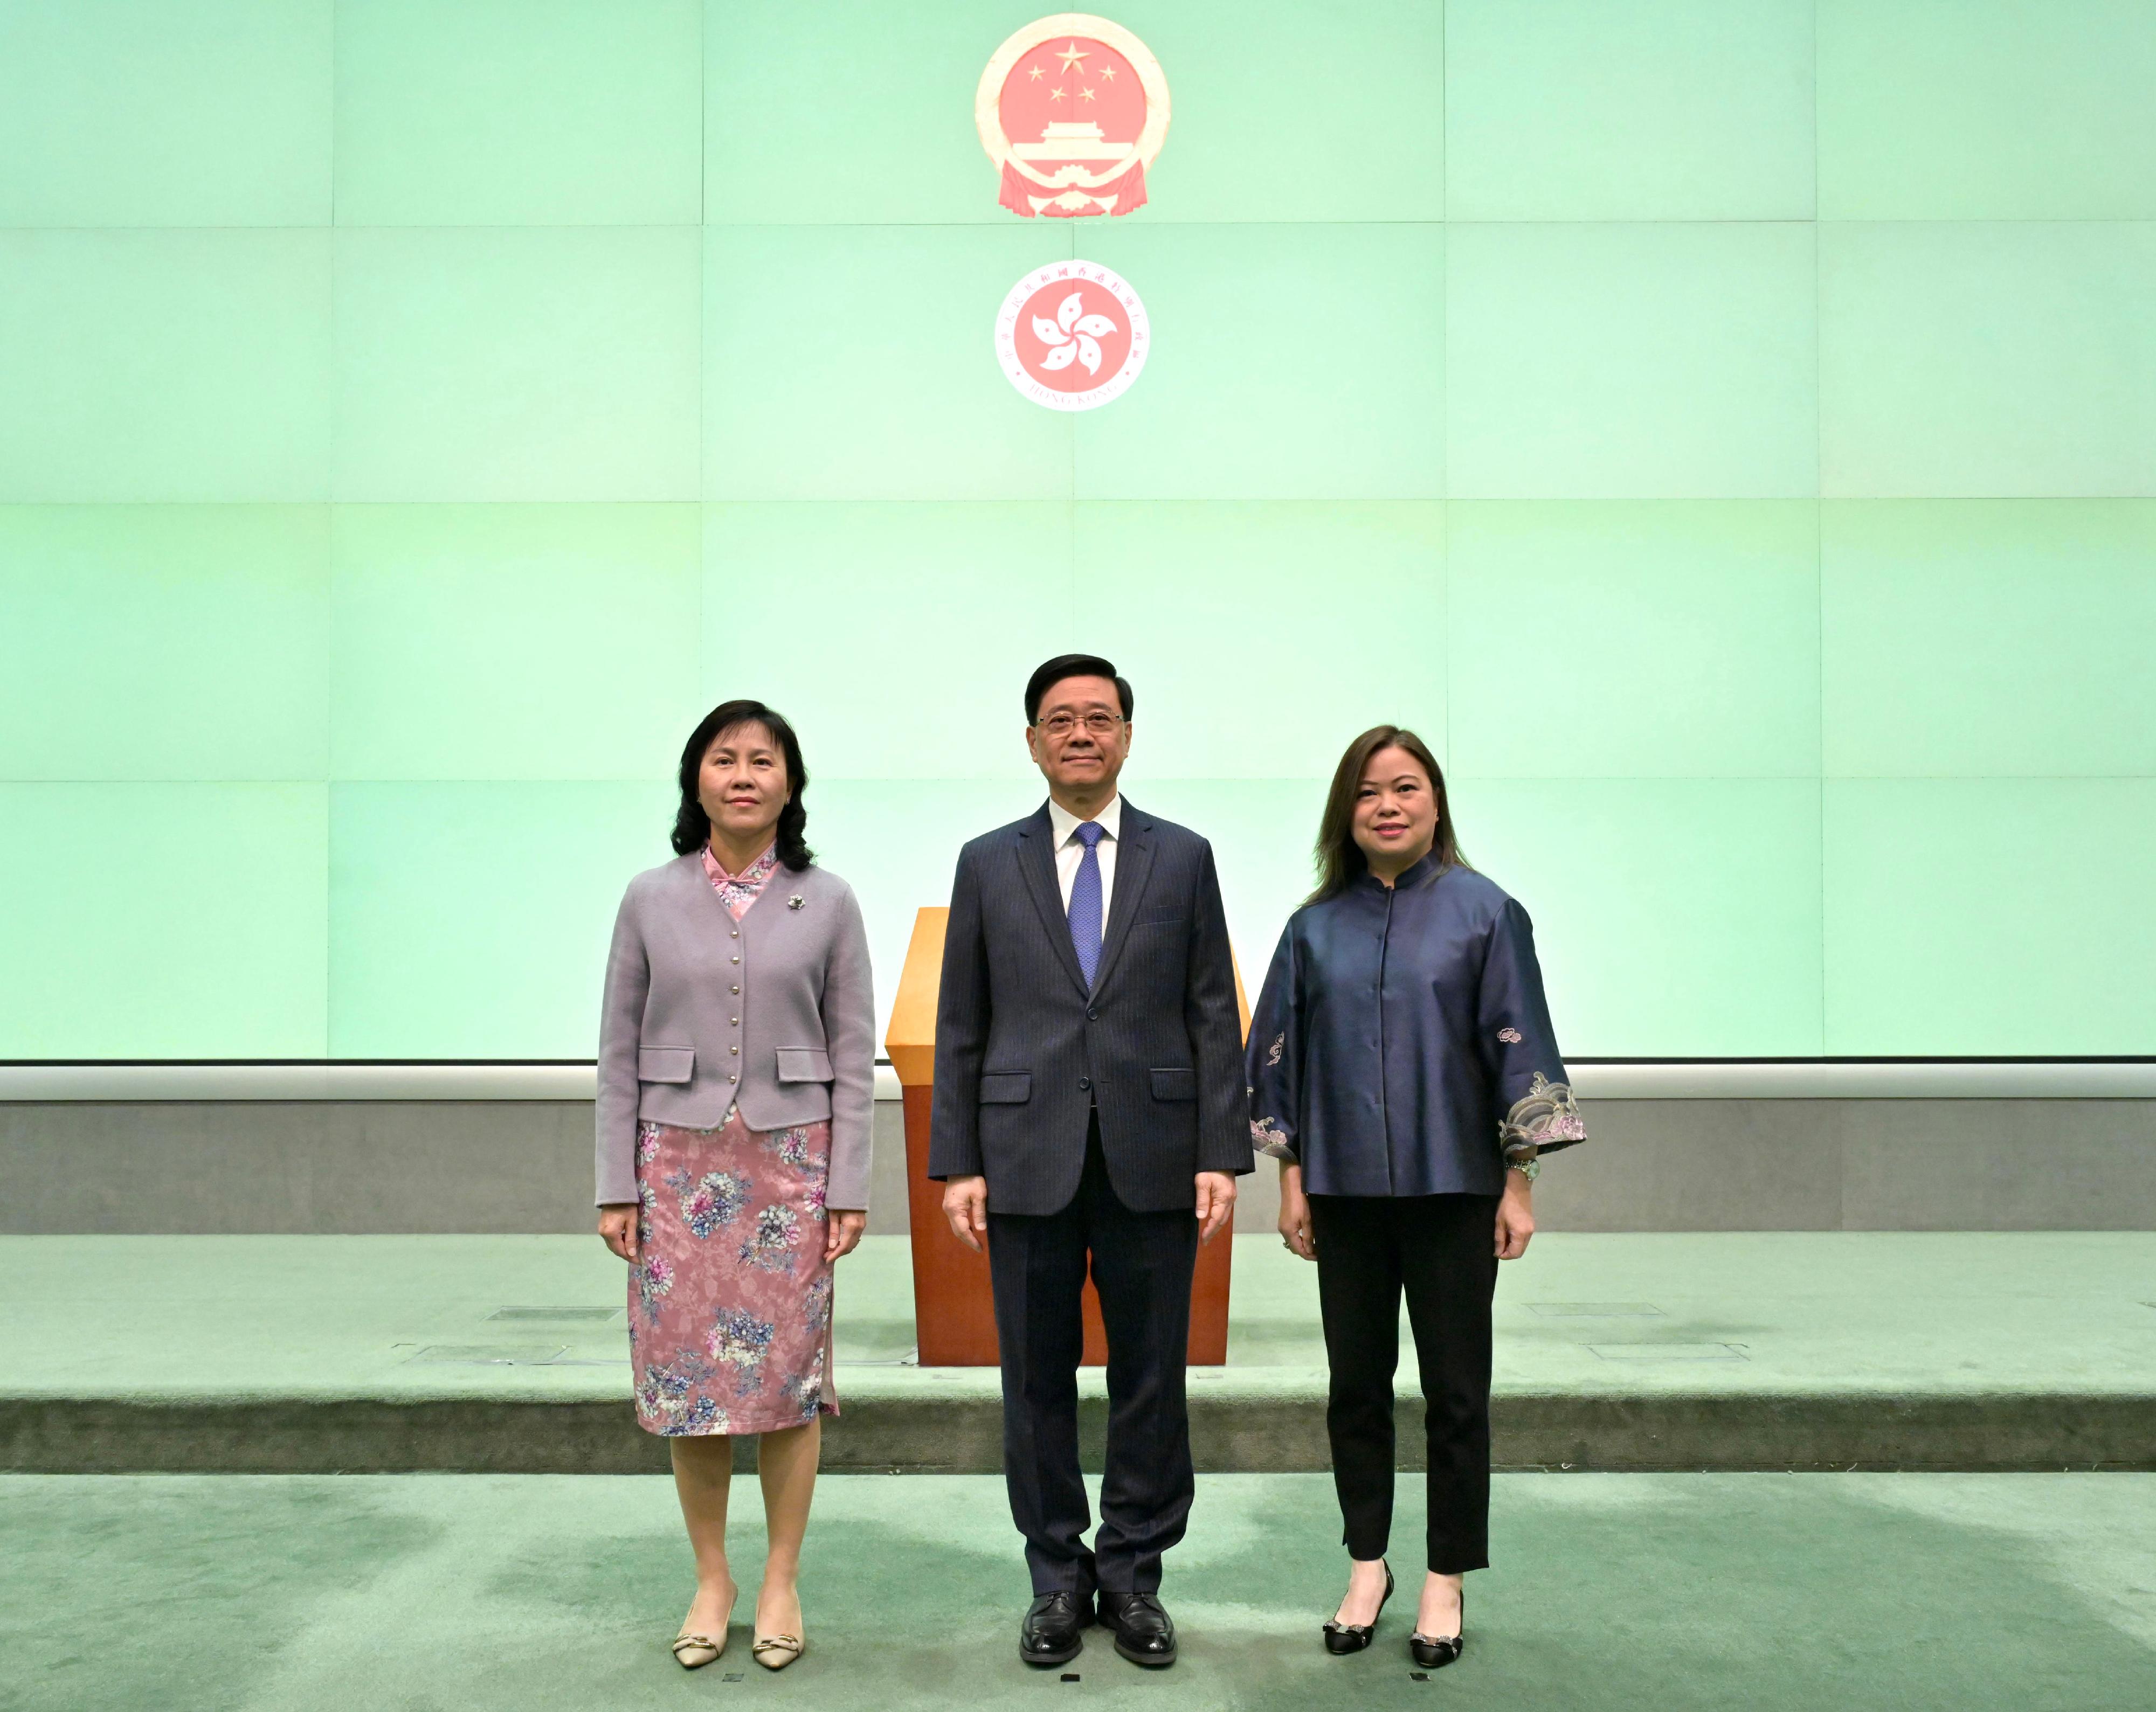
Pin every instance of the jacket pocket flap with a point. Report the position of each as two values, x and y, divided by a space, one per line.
803 1063
1007 1088
665 1063
1175 1084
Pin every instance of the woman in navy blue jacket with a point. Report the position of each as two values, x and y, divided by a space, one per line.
1403 1071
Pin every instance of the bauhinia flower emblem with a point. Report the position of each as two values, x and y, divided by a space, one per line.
1073 336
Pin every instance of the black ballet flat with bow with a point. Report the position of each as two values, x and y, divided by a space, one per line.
1342 1638
1433 1652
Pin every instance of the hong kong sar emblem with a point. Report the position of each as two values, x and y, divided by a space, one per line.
1072 110
1072 335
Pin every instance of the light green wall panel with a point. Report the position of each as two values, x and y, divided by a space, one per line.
162 920
1630 362
163 641
1208 610
1287 362
1622 639
1305 112
1967 361
1627 109
512 642
1987 109
1262 832
1673 917
146 113
895 842
543 364
1988 637
519 112
471 920
845 112
149 366
926 620
859 363
1990 915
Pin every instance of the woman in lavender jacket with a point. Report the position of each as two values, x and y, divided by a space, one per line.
737 1071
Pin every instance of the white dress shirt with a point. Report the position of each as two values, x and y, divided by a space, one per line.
1069 852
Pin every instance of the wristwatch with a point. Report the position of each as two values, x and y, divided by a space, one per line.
1530 1168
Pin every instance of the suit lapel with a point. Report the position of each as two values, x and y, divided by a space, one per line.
1133 865
1036 861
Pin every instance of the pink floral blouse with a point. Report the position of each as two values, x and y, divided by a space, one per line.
737 891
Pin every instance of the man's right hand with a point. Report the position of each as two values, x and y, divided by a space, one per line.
966 1205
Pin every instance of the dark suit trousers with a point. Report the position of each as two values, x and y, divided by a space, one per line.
1441 1249
1142 1264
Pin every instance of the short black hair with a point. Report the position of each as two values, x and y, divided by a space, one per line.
1046 676
692 827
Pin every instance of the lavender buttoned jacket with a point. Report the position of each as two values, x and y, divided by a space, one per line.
774 1012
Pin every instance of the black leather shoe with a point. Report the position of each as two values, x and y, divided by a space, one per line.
1432 1652
1342 1637
1049 1635
1145 1633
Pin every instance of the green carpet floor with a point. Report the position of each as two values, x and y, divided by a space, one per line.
417 1593
409 1317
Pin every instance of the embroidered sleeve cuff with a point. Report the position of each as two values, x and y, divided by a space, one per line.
1545 1119
1268 1137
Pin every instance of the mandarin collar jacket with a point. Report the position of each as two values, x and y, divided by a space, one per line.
1402 1044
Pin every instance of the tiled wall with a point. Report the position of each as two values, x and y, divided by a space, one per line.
1726 427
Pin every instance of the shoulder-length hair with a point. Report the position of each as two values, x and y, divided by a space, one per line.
692 827
1340 858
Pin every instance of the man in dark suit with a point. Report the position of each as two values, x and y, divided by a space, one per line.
1090 1104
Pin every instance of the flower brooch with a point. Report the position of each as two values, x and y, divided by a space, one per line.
796 901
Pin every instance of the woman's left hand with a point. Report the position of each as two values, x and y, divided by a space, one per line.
843 1233
1516 1217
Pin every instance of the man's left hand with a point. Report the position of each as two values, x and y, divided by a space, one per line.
1216 1203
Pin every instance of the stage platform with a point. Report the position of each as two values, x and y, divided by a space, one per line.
1975 1351
1656 1593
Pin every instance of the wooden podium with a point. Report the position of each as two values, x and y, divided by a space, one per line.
953 1312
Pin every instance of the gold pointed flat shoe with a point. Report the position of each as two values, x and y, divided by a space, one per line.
777 1652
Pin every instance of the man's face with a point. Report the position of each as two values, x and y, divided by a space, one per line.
1079 737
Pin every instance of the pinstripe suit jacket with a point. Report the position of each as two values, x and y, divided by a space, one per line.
1023 1051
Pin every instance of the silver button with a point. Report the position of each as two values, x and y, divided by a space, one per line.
735 1050
733 1078
736 933
738 960
736 989
736 1021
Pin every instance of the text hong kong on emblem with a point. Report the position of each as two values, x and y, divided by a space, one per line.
1072 335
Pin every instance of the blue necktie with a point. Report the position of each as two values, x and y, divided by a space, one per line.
1085 900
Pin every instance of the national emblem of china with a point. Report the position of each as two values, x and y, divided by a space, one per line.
1072 110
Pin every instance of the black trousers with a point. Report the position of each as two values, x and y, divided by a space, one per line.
1441 1249
1141 1265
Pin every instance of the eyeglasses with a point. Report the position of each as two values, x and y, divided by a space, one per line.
1062 725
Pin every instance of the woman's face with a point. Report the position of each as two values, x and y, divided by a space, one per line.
743 783
1395 810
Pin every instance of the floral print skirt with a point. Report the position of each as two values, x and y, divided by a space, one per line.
730 1300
